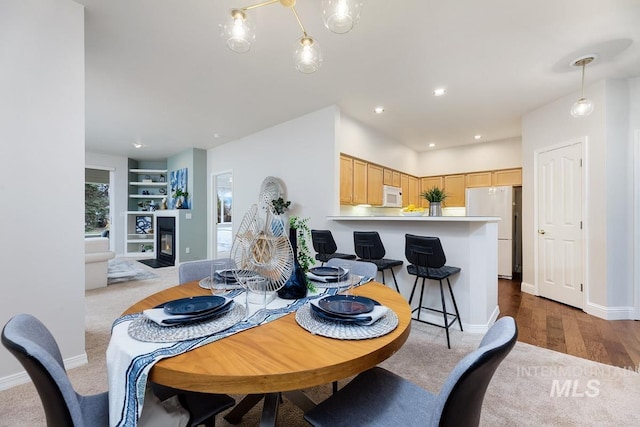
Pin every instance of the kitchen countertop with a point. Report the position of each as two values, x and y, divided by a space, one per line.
470 243
414 218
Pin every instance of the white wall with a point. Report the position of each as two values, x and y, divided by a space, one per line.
358 140
301 152
119 193
607 213
492 155
42 171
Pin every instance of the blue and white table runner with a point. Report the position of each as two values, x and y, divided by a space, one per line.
129 361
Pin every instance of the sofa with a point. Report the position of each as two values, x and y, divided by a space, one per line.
96 262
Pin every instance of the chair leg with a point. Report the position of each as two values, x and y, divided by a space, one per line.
455 306
413 290
394 280
420 300
444 313
383 282
334 387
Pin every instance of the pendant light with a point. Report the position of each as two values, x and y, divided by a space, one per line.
238 32
583 106
307 55
339 16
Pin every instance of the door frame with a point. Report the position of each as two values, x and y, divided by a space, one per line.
583 141
636 221
213 207
113 228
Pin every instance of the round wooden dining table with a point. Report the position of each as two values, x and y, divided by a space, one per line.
278 356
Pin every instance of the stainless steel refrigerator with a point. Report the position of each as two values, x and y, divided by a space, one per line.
496 201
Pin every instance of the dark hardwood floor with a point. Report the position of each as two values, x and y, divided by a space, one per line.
558 327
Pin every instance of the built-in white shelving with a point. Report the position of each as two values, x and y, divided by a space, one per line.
146 187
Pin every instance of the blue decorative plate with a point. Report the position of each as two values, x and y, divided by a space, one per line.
194 305
232 274
346 305
201 317
327 271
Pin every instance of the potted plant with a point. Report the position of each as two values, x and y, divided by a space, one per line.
181 198
435 196
280 205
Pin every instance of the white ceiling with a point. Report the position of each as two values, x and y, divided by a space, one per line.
157 71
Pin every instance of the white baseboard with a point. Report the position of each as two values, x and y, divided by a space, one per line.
610 313
482 328
528 288
22 377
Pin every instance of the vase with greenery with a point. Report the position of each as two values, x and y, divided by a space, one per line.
435 196
181 198
299 236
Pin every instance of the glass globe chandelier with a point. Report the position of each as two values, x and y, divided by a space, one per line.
339 16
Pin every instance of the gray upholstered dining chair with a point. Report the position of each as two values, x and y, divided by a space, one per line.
196 270
359 268
36 349
378 397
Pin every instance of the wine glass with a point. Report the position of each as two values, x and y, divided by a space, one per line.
348 279
218 279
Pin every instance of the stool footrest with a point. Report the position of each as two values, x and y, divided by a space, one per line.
446 326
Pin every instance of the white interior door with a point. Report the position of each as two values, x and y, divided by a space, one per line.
560 262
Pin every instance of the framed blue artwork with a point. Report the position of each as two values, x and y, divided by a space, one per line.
143 224
178 181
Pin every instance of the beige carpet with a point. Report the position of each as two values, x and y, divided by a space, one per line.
532 387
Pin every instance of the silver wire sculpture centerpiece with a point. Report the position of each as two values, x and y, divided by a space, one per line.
262 246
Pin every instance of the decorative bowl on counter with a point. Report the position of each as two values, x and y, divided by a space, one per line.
412 213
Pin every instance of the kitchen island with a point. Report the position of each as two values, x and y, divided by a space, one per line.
470 243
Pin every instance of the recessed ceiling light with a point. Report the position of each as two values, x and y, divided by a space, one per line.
137 144
217 135
378 110
439 91
432 144
477 137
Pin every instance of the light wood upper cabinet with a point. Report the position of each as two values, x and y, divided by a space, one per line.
395 178
391 177
479 179
511 177
346 180
414 192
374 184
359 182
404 186
428 183
388 177
454 187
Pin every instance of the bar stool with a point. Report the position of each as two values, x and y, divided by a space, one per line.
369 248
427 260
325 246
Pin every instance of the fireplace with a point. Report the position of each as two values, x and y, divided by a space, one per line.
166 240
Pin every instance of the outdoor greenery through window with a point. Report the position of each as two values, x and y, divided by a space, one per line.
96 203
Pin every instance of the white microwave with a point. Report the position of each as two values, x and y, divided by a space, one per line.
391 196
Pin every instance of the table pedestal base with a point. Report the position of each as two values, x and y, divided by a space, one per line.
270 407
